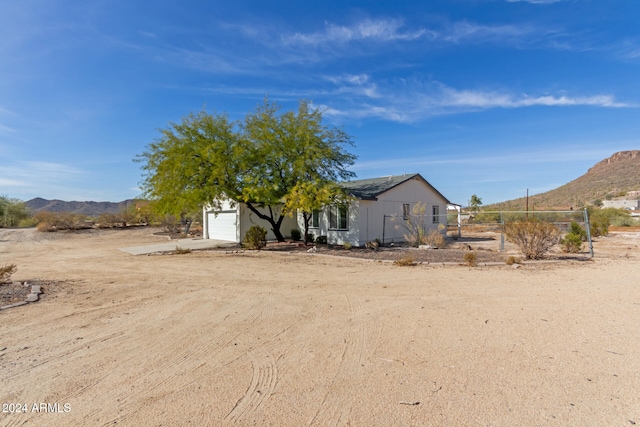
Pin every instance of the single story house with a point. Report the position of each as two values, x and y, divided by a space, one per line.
378 210
231 221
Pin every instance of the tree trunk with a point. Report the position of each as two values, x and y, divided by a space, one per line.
275 225
306 217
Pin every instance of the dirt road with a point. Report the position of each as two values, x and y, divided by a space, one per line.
210 338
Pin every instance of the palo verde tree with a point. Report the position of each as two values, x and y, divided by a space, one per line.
309 196
258 161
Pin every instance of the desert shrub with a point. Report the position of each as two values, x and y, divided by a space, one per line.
471 259
28 222
512 260
534 238
347 246
110 220
6 271
435 239
182 251
12 211
576 229
405 261
295 235
623 221
571 243
255 238
321 240
54 221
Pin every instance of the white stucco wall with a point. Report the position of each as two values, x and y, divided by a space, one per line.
366 217
246 219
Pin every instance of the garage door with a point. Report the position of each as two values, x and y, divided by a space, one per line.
222 225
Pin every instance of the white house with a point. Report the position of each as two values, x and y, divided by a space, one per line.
232 220
378 210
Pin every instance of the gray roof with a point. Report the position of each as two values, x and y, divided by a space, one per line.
371 188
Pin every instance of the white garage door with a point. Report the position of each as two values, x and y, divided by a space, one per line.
222 225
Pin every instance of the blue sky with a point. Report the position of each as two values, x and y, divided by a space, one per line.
486 97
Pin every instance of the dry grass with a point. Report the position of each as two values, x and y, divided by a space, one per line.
6 271
405 261
471 259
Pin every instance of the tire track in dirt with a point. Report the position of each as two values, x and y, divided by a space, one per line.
264 377
335 406
263 383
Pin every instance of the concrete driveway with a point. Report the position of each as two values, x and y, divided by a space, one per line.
192 244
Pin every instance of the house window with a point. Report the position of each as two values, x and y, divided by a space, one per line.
315 219
338 217
436 214
405 211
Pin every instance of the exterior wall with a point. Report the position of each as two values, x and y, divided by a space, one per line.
246 219
249 219
225 205
621 204
390 204
335 237
367 217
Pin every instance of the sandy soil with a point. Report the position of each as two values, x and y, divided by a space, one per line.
285 339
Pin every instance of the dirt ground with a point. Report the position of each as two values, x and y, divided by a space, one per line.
289 339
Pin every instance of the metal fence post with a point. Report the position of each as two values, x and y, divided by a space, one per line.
501 232
587 227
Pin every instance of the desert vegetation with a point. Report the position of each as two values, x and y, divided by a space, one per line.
533 238
6 271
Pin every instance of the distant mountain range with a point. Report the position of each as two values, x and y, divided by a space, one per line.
612 177
84 208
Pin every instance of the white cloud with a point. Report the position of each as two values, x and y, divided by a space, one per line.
535 1
469 31
383 30
412 101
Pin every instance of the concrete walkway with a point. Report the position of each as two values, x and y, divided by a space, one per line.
192 244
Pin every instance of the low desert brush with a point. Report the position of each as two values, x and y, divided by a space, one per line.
6 271
512 260
405 261
181 251
256 238
471 259
436 239
534 238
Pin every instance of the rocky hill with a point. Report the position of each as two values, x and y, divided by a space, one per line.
612 177
84 208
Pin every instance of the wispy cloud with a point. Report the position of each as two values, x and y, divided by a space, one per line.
477 33
380 30
412 101
534 1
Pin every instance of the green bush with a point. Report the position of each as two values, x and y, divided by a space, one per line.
347 246
578 231
295 235
12 211
534 238
255 238
571 243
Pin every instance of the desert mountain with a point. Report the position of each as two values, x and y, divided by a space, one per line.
85 208
614 176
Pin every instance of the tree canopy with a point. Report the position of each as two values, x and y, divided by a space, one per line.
261 161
